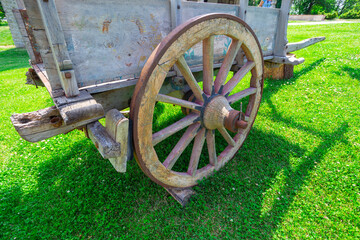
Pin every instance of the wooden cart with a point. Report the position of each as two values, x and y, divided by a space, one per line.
97 58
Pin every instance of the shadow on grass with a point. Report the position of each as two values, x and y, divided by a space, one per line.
352 72
13 58
80 194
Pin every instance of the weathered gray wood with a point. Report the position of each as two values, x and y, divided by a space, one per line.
208 62
43 45
177 101
181 145
81 111
196 152
243 4
291 47
189 77
263 22
182 195
173 128
244 93
226 65
107 146
24 34
58 46
63 100
117 125
281 30
226 136
43 124
291 60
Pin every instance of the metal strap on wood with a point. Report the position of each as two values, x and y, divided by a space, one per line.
57 43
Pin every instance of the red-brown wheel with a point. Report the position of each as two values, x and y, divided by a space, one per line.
210 112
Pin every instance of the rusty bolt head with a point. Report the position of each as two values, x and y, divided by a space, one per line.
68 74
31 70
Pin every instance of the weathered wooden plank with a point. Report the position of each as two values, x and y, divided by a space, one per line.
24 34
117 125
181 195
58 46
263 22
42 44
281 30
291 47
43 124
63 100
81 111
105 144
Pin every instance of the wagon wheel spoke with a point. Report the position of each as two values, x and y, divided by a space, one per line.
189 77
210 140
174 128
196 152
181 145
231 84
226 136
177 101
226 65
244 93
208 64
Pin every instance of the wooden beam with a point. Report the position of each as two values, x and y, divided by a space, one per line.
43 124
291 47
57 43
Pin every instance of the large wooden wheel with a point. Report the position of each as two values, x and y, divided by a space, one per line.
209 112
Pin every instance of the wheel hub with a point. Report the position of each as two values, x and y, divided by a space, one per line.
218 113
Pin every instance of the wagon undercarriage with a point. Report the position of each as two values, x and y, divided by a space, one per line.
103 58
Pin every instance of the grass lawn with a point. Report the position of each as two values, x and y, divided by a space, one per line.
297 175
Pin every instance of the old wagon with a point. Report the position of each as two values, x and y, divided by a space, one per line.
98 58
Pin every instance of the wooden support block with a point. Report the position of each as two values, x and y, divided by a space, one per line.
106 145
182 195
278 71
117 125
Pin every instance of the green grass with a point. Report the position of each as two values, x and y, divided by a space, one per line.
296 176
5 36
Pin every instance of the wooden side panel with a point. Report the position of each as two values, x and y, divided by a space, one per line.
111 40
264 22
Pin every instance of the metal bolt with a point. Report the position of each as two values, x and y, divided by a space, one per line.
68 74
